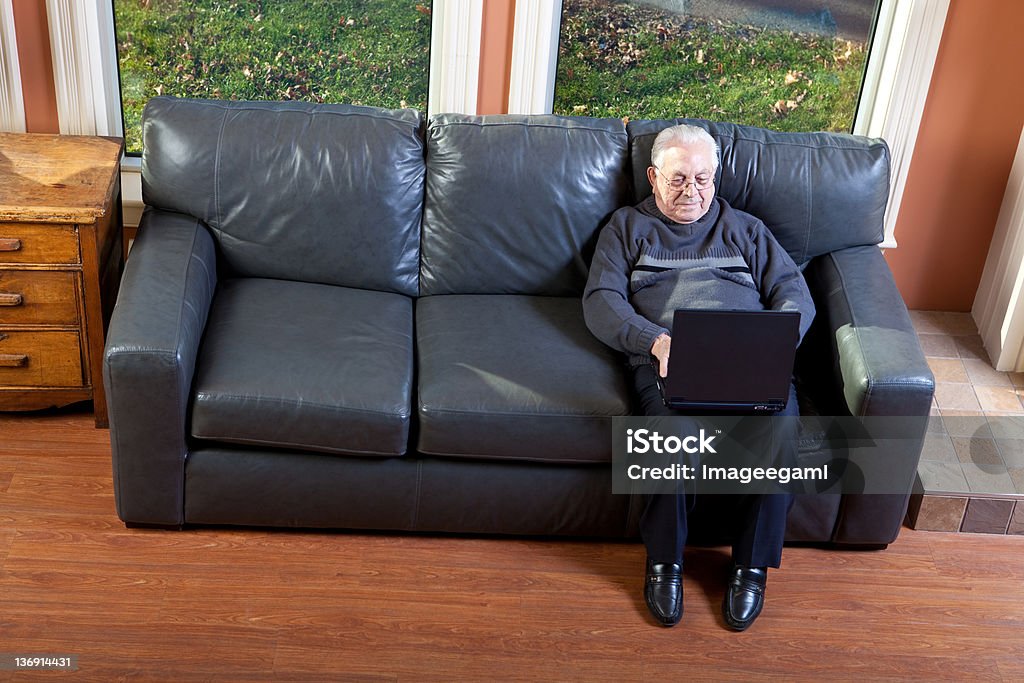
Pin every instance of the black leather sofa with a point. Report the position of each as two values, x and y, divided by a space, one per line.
348 317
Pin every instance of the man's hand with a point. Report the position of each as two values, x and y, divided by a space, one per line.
660 350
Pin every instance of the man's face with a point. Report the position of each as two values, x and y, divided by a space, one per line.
685 169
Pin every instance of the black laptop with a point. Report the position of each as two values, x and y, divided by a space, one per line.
731 361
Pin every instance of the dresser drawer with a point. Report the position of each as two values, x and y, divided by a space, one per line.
38 297
38 243
40 359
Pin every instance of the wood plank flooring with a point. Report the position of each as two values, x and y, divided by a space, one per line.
260 605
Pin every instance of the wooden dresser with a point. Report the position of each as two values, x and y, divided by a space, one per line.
60 265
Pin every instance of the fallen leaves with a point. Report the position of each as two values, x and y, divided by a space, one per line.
784 107
844 56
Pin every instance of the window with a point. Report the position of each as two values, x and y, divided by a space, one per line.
789 65
369 52
904 45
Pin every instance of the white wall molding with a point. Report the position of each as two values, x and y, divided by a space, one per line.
85 66
74 102
534 56
102 49
998 308
12 100
82 43
896 83
455 56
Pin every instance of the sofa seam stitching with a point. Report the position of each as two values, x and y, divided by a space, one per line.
856 331
177 343
515 458
267 442
810 207
216 170
451 411
204 395
766 143
318 112
478 124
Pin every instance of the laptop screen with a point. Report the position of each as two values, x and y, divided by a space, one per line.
736 358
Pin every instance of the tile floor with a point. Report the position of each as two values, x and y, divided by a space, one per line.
972 465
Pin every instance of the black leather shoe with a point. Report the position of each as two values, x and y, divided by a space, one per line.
663 592
744 596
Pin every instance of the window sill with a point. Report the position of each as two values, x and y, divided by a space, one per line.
131 191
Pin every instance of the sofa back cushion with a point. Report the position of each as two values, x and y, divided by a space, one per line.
514 203
330 194
816 192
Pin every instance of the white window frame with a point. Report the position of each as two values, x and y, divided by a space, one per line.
897 78
86 84
88 91
455 56
85 66
896 83
12 100
534 56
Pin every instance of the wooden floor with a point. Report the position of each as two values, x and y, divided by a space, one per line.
239 605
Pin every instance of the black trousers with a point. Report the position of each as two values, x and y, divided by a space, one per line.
663 523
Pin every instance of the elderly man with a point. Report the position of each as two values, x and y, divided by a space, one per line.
684 247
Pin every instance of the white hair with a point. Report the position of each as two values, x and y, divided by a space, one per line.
682 134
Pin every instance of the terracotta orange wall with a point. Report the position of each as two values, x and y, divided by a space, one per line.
33 36
969 132
495 56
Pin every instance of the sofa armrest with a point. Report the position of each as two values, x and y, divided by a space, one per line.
878 364
150 359
877 358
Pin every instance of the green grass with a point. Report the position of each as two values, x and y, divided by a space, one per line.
614 61
372 52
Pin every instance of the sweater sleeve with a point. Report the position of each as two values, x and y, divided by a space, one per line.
606 308
782 286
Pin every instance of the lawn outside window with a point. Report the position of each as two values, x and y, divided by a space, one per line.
368 52
789 65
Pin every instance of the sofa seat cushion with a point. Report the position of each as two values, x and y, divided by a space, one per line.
515 377
308 366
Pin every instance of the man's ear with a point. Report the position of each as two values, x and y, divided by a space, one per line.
651 175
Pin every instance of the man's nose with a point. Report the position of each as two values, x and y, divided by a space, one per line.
689 189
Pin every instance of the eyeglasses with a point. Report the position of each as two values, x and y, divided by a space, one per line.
679 183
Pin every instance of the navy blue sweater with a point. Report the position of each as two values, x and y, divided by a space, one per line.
646 266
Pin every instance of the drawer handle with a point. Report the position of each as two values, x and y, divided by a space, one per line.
10 244
13 360
10 299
